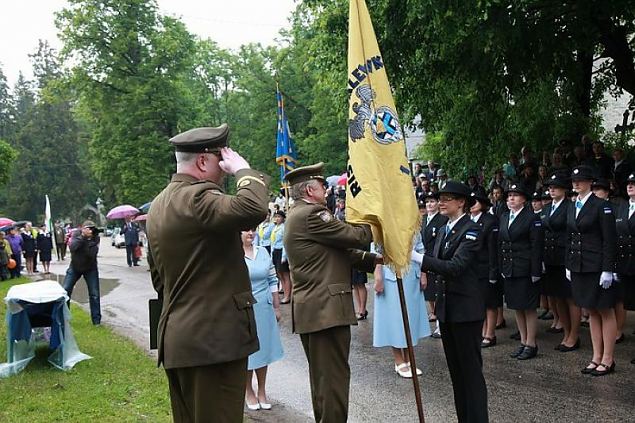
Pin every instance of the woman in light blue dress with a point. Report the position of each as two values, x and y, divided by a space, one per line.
267 313
387 321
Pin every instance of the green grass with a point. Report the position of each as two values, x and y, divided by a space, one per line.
119 384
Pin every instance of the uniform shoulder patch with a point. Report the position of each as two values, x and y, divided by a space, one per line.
325 215
471 235
244 183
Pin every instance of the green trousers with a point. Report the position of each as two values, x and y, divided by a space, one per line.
214 393
327 353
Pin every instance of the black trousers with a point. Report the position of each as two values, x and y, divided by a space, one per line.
462 346
327 353
130 255
208 394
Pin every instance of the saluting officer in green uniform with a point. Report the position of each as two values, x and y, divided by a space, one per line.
207 327
321 251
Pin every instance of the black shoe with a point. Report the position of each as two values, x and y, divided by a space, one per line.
547 315
515 336
362 316
136 264
555 330
518 351
620 339
528 352
559 346
436 335
607 369
564 348
488 342
588 370
502 325
584 323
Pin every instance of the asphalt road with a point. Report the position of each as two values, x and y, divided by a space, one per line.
549 388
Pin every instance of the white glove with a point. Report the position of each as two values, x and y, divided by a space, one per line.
535 279
502 276
416 257
567 274
493 281
606 280
544 269
616 278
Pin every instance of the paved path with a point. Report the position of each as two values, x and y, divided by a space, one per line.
547 389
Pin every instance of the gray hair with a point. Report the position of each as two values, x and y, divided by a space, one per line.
298 191
183 157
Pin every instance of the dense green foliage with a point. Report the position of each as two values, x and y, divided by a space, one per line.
485 77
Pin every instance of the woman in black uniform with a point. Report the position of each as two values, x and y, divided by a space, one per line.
487 258
625 266
459 304
590 262
520 241
554 223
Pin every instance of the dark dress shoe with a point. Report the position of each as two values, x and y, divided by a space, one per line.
502 325
528 352
588 370
362 316
488 342
564 348
518 351
555 330
557 347
607 369
515 336
620 339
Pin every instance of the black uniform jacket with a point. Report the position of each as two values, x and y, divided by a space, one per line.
459 298
591 237
431 230
555 227
625 261
487 255
520 245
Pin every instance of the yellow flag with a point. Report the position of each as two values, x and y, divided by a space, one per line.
379 188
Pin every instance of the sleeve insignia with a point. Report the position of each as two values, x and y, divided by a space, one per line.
538 223
471 235
325 215
607 210
244 183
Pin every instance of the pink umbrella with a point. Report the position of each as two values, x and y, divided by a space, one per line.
121 212
343 179
5 221
141 218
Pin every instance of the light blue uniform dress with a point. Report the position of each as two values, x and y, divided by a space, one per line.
388 328
263 277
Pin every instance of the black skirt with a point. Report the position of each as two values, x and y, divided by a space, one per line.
492 293
556 282
521 293
277 261
588 293
359 278
45 255
627 283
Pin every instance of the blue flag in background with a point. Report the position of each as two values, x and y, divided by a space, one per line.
286 155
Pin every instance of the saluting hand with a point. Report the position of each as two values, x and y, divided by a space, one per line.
231 161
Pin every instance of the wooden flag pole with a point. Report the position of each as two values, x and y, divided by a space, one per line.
411 353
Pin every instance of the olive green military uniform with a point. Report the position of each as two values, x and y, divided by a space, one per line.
320 251
207 327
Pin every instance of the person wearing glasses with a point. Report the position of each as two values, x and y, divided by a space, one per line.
459 304
264 283
590 263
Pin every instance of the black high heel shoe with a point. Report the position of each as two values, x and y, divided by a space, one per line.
607 369
362 316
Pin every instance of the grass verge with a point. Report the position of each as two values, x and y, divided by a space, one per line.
119 384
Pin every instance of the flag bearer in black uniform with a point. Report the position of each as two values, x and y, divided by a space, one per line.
487 258
459 306
625 260
520 241
590 262
433 223
554 223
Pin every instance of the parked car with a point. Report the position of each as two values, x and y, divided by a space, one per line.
117 238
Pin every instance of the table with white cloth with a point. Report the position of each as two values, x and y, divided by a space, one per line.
39 305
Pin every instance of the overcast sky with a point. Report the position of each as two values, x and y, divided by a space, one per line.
230 23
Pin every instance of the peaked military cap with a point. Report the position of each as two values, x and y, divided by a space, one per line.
458 189
583 173
558 180
546 195
306 173
88 224
481 196
518 189
431 194
537 195
421 204
201 140
631 178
